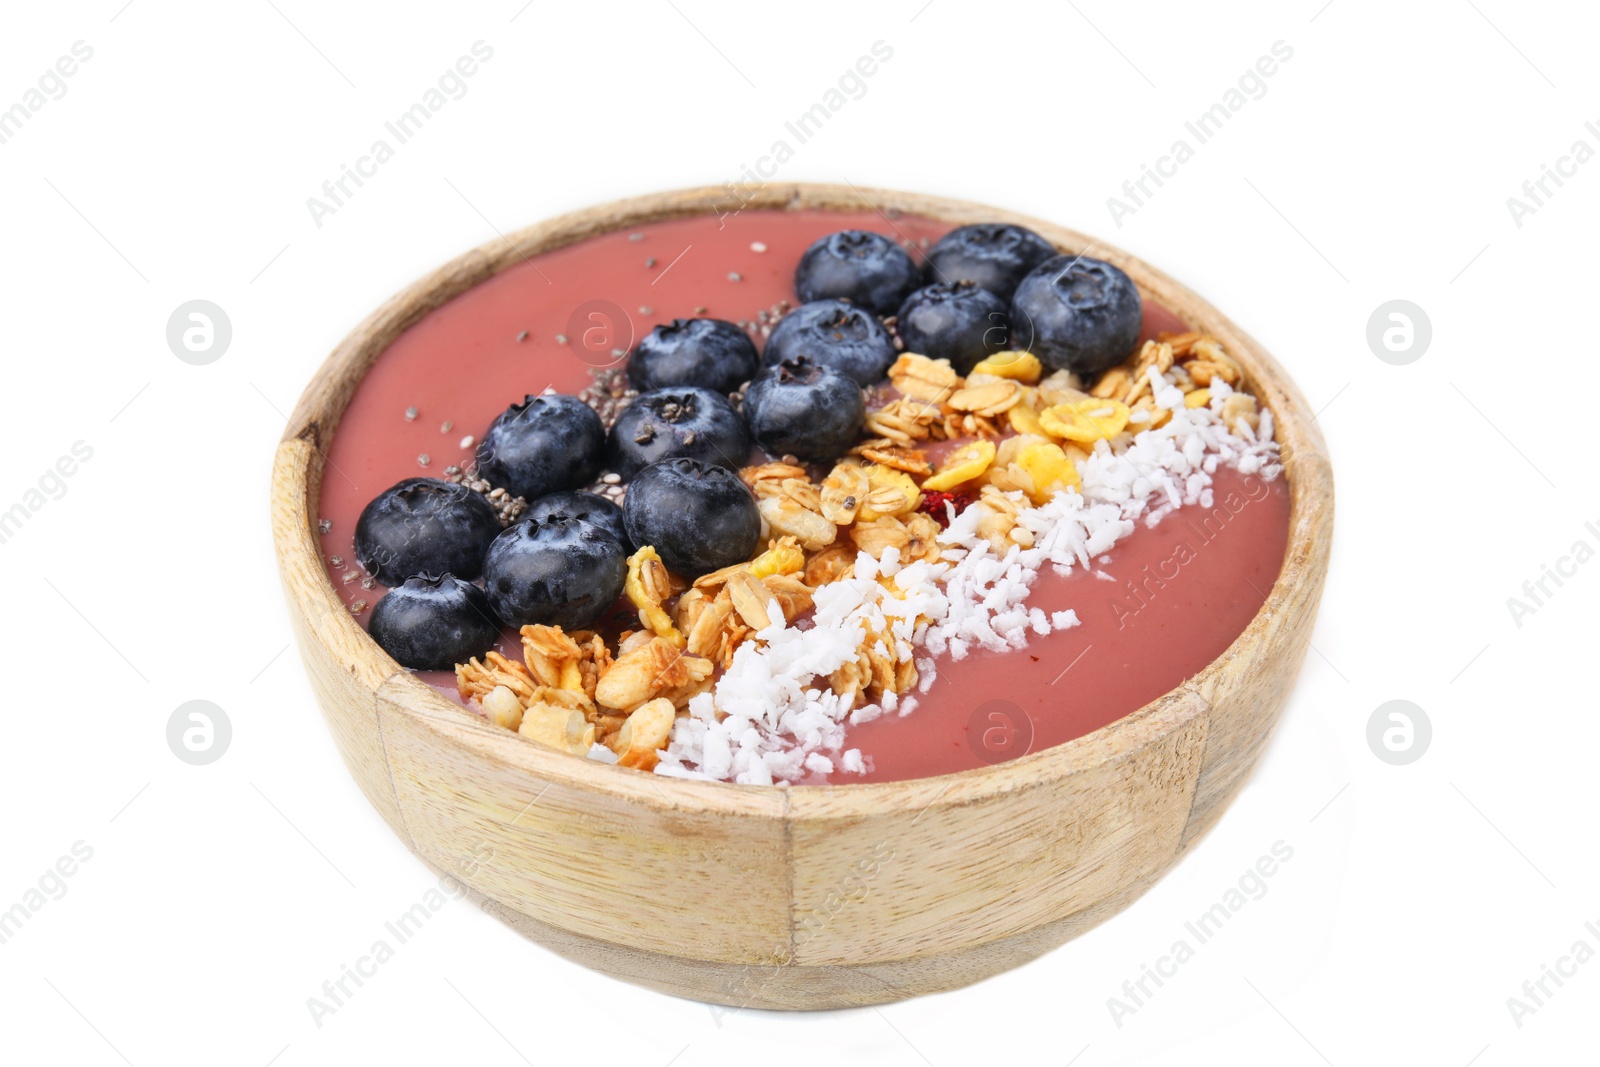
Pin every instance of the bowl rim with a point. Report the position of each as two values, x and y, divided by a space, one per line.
303 449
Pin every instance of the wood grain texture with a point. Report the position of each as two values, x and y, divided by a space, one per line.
812 897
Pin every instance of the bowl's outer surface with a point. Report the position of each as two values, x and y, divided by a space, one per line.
812 897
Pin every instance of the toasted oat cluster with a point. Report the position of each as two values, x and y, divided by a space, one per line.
1001 440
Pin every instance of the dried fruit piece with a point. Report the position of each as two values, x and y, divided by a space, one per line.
962 465
782 556
1086 421
1240 408
647 587
1198 399
1048 469
1024 417
1018 366
922 538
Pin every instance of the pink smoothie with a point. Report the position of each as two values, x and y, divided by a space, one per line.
1172 598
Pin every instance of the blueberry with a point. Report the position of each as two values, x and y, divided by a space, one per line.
559 572
542 445
431 624
991 255
425 526
597 511
710 353
699 517
1077 314
668 423
835 334
804 409
956 321
867 269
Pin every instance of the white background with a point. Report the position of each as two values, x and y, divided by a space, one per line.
1377 166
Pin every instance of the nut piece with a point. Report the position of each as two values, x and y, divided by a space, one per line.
560 728
650 670
502 707
644 734
922 378
790 519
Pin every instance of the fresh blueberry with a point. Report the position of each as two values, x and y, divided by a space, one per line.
684 421
804 409
431 624
699 517
710 353
543 445
1077 314
559 572
867 269
956 321
597 511
835 334
425 526
991 255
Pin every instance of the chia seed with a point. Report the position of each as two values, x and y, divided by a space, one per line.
446 426
424 459
336 561
523 336
411 414
561 338
466 442
757 246
635 236
645 311
735 276
357 607
649 262
324 525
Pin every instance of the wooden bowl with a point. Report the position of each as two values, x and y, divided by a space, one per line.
813 896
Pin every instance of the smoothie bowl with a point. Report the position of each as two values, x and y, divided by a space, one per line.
807 600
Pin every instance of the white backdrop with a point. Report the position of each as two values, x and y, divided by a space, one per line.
206 904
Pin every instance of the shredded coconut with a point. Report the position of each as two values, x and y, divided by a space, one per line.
773 716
